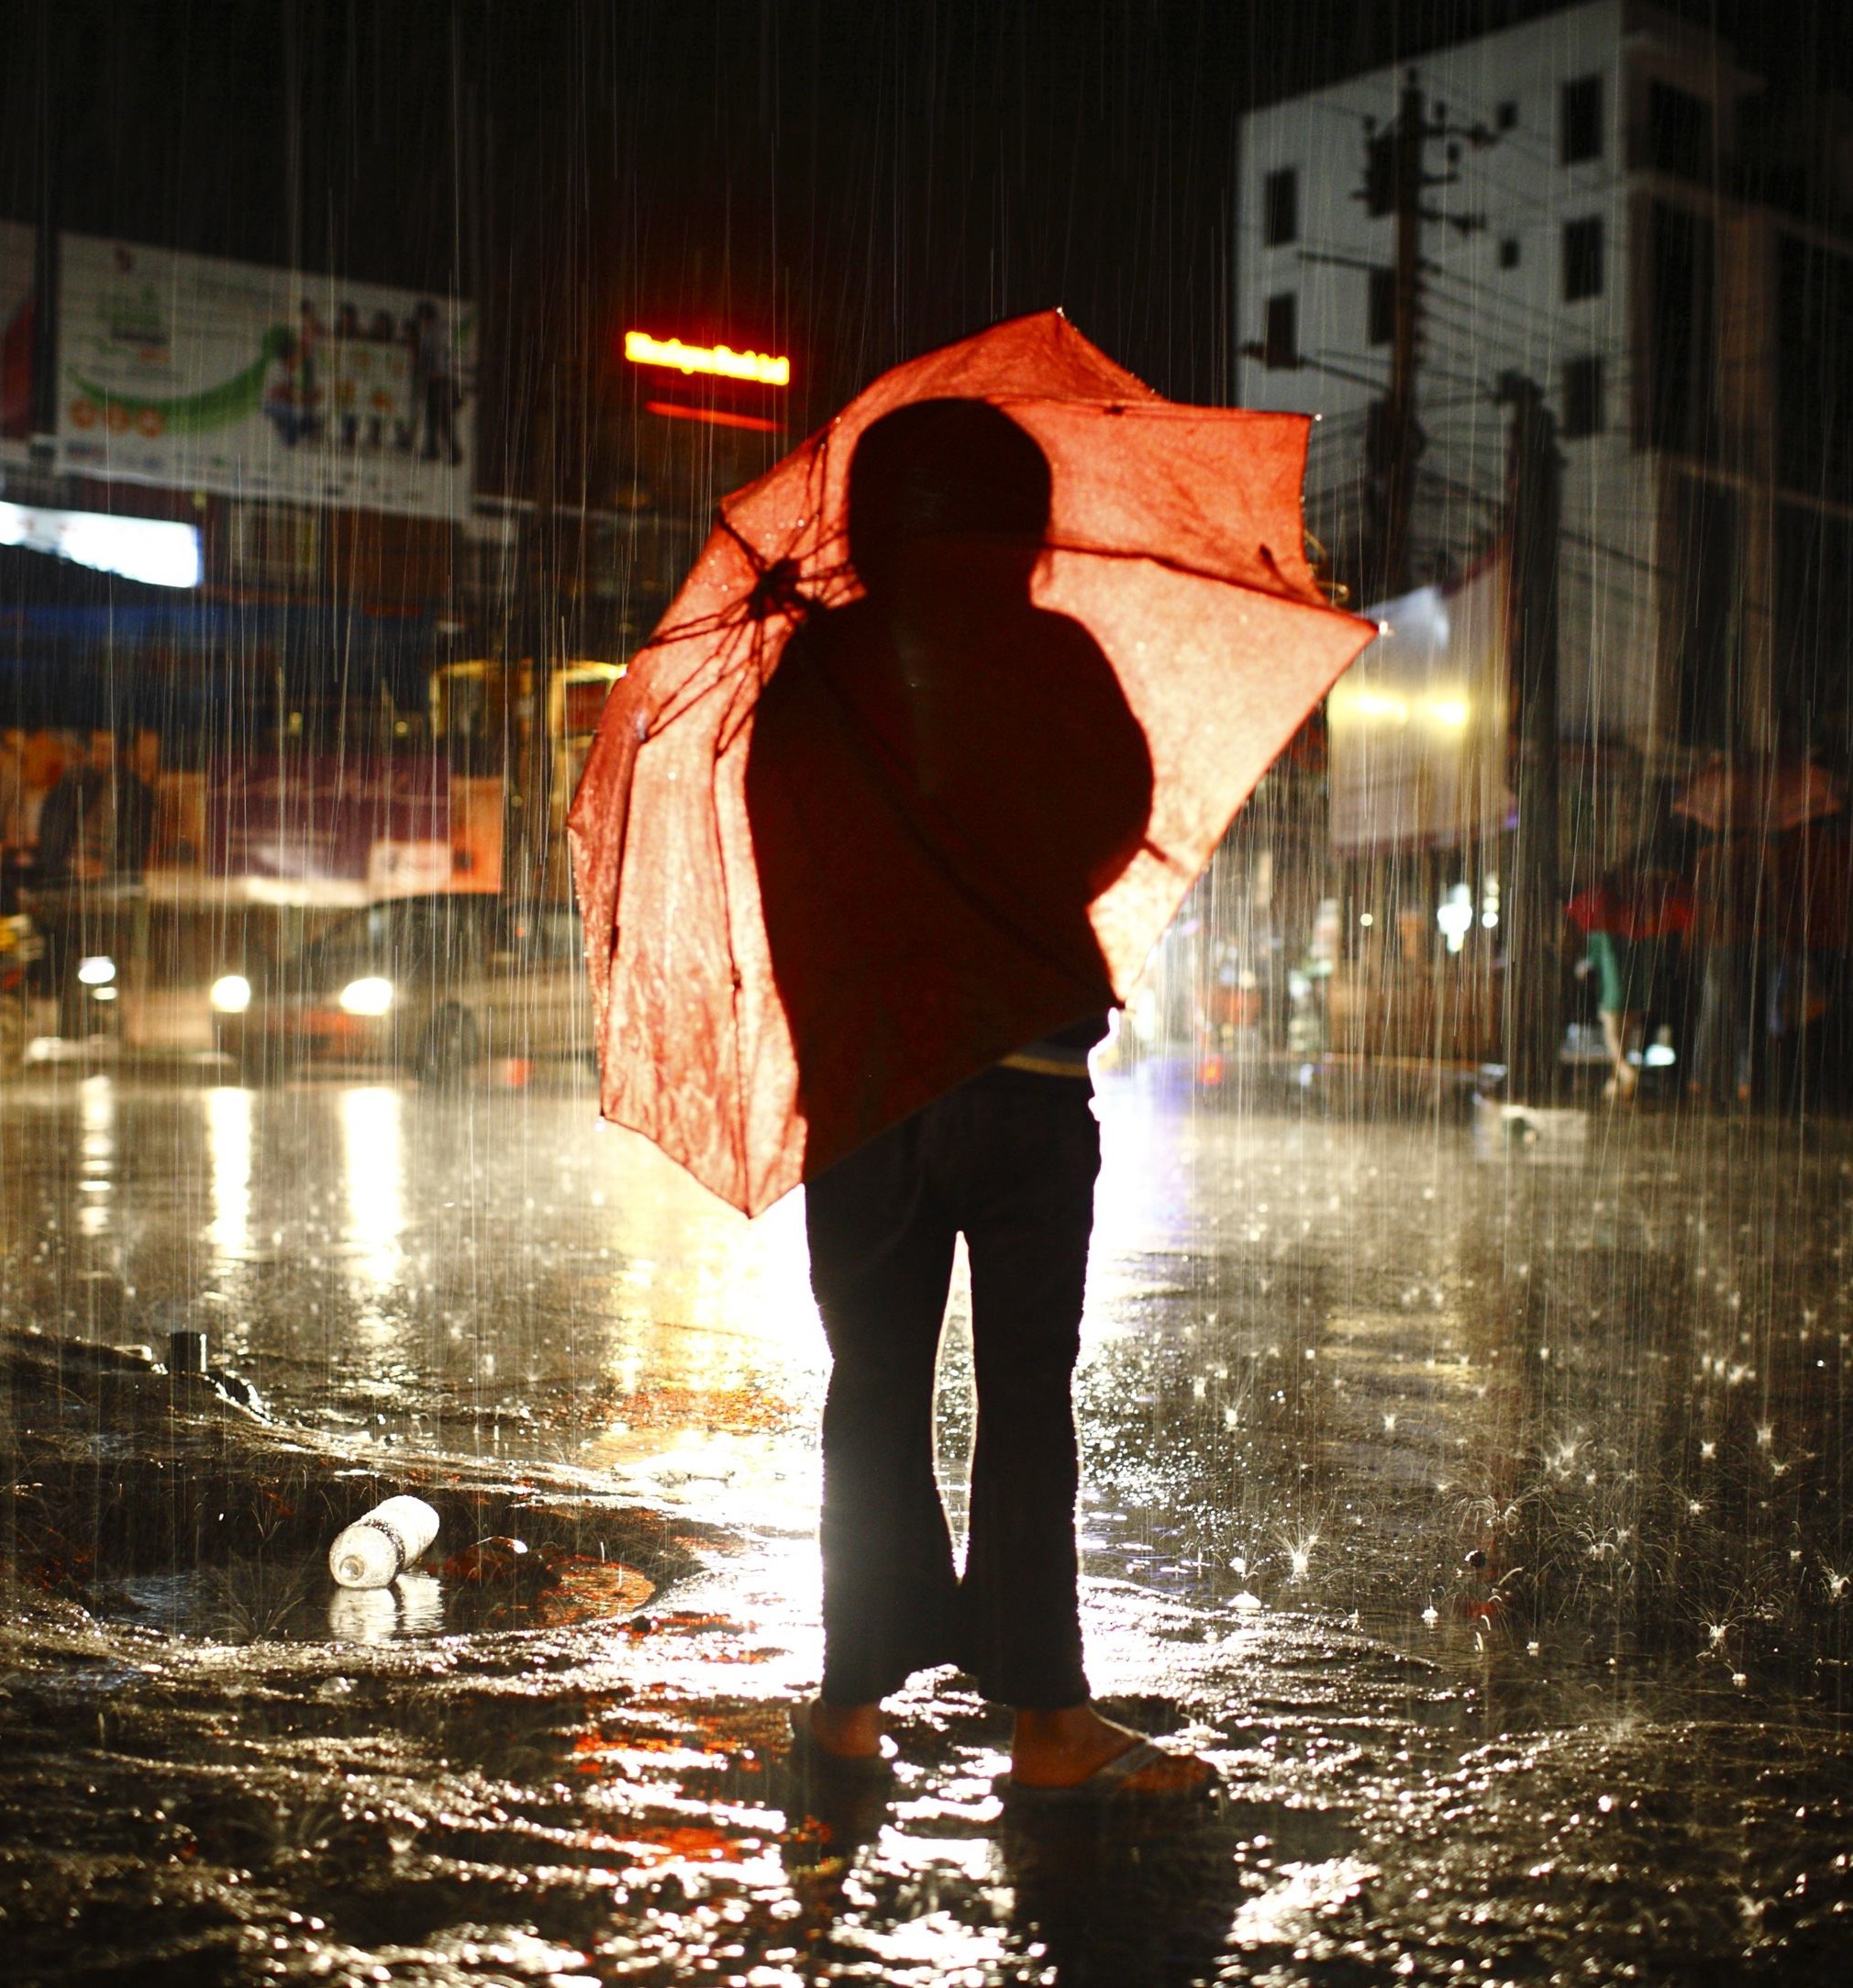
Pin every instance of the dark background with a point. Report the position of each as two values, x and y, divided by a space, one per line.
845 182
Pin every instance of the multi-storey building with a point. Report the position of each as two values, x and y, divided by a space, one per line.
1617 211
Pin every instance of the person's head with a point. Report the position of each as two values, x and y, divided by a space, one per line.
943 472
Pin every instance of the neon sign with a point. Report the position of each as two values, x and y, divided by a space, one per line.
720 417
722 360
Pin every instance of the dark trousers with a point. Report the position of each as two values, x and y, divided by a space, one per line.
1010 1160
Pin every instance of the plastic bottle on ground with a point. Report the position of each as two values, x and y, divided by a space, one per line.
375 1550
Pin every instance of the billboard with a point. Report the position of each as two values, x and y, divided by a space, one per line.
201 374
349 828
18 244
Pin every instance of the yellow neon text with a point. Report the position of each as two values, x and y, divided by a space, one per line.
641 350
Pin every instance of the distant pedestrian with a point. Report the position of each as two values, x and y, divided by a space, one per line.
1808 884
1728 896
94 835
1633 920
96 822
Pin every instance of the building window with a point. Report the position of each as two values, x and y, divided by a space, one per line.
1381 326
1280 207
1678 132
1508 251
1280 341
1505 117
1579 121
1583 259
1582 398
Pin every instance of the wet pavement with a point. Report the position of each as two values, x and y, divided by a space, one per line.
1478 1506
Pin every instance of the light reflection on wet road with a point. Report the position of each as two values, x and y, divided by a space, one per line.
1485 1519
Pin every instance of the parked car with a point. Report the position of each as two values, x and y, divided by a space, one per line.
431 984
124 970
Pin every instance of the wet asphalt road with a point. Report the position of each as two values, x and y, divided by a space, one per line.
1481 1509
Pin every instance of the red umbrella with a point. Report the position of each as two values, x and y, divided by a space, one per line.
809 915
1765 796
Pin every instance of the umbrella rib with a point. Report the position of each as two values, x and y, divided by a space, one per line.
740 1111
1190 571
734 619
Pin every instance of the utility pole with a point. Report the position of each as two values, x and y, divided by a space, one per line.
1533 1017
1396 179
1396 440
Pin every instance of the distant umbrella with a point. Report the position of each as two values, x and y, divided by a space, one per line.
820 890
1762 797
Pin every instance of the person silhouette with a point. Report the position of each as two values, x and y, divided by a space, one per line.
942 779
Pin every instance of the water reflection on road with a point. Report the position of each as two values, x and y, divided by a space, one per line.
1486 1519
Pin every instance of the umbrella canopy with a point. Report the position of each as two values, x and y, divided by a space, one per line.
822 882
1763 796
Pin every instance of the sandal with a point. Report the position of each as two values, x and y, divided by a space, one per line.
809 1752
1109 1783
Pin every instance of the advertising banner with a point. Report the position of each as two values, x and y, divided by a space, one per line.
18 244
337 829
201 374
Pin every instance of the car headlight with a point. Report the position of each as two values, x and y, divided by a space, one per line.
372 994
231 993
97 970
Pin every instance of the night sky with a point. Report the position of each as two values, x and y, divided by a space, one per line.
849 183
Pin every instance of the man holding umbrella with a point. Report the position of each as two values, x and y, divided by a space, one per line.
865 848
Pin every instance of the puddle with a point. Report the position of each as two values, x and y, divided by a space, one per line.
296 1601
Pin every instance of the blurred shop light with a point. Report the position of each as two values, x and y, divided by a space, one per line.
1370 705
153 550
720 417
1455 916
765 368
